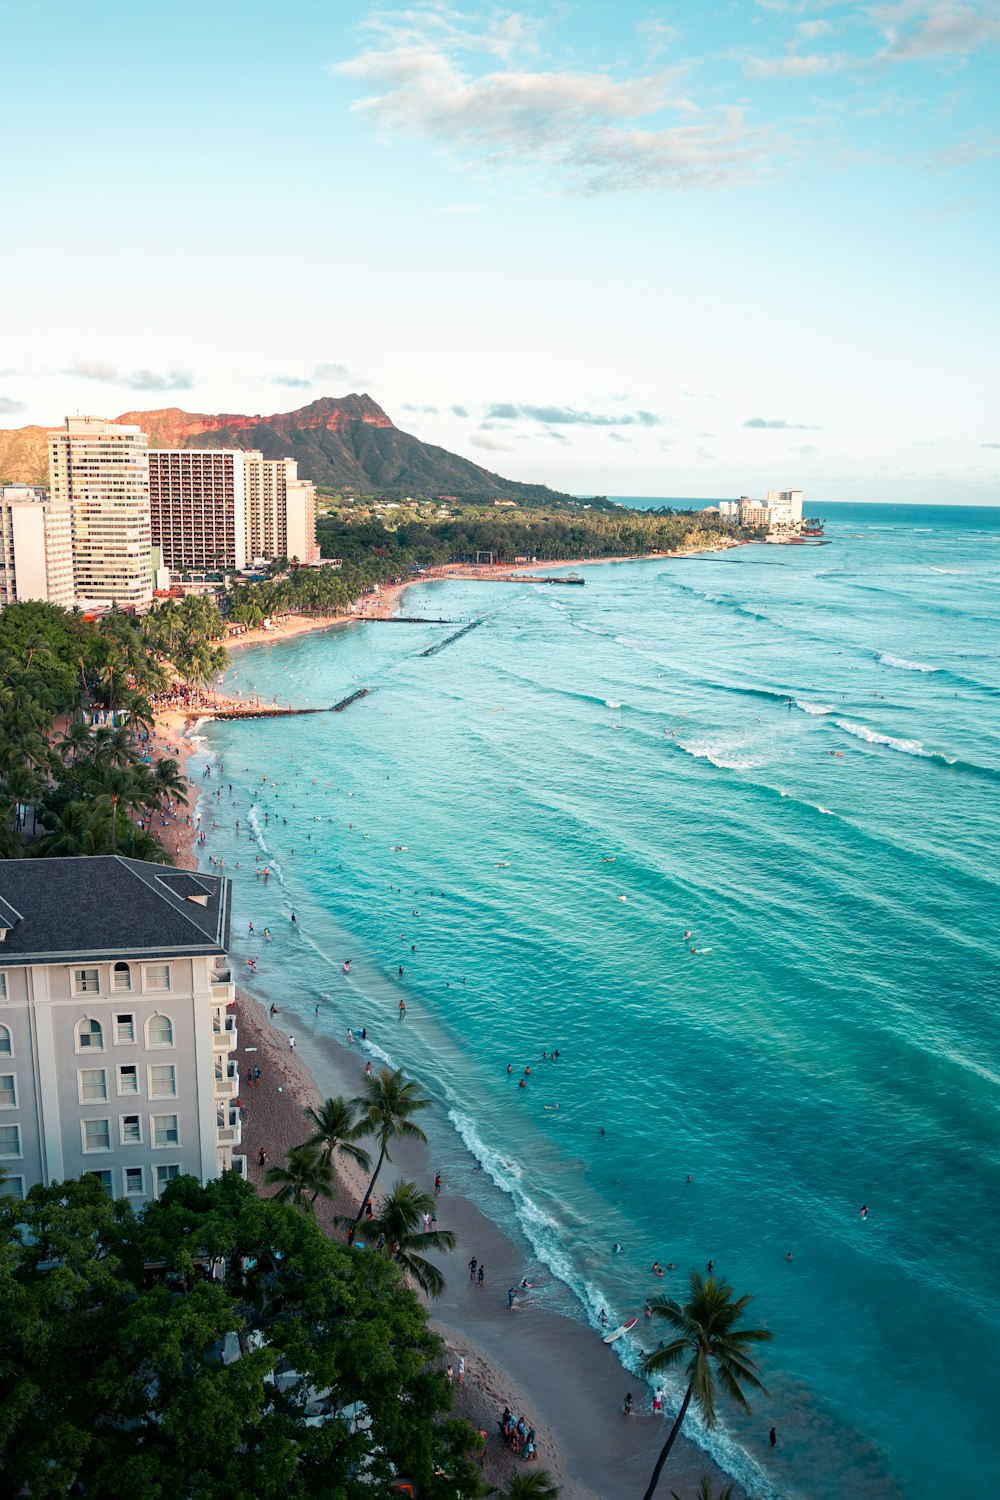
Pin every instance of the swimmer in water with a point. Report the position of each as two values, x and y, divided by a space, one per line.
864 1211
616 1249
347 965
686 936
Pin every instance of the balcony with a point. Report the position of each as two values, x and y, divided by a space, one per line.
228 1127
223 993
227 1078
224 1034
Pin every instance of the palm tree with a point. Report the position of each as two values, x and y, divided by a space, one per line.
338 1129
715 1349
396 1228
386 1106
304 1173
707 1490
536 1484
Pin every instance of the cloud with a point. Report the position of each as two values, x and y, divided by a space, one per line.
989 445
942 28
339 373
595 132
459 411
139 380
486 440
618 437
568 416
776 424
8 405
700 395
799 65
295 381
429 411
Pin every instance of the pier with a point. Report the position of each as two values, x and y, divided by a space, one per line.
403 620
338 708
431 650
251 711
572 578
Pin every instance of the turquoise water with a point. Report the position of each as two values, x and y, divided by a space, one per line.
790 752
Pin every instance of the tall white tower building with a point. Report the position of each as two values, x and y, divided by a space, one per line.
101 470
36 547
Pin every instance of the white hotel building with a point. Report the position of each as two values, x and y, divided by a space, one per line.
101 471
36 547
116 1025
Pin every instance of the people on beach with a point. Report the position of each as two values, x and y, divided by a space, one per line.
437 1185
461 1369
473 1263
511 1294
262 1157
368 1070
658 1399
481 1276
628 1404
773 1436
603 1318
291 1044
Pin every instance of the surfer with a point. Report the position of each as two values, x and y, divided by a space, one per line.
603 1318
616 1249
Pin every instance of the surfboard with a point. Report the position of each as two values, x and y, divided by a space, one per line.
616 1333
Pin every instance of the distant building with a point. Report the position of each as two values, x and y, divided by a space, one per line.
754 512
115 1025
36 547
729 510
101 471
197 499
223 508
785 507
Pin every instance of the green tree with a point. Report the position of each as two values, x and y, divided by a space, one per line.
385 1108
338 1130
716 1351
306 1172
395 1229
535 1484
707 1491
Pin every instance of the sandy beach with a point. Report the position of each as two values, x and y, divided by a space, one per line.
553 1369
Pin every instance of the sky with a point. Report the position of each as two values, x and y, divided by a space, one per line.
618 248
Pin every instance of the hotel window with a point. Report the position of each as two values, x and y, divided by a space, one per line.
86 981
96 1135
10 1140
163 1082
6 1045
124 1029
93 1086
89 1036
121 977
166 1131
128 1079
159 1031
104 1178
135 1186
8 1091
13 1187
3 986
157 976
131 1129
163 1175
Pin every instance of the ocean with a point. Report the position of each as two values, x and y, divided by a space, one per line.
722 830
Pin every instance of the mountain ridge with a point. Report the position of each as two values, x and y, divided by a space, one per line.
340 442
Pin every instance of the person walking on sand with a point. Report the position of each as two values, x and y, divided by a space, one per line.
450 1373
461 1369
658 1400
291 1044
473 1263
368 1070
481 1278
437 1185
262 1157
627 1408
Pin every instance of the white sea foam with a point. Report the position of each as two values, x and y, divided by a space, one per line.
873 737
900 662
724 753
610 703
813 708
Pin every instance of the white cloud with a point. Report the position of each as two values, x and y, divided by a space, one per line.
596 132
138 380
8 405
486 440
916 29
799 65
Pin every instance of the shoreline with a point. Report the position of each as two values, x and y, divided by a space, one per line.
552 1368
544 1363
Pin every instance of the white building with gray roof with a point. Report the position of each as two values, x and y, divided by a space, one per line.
115 1025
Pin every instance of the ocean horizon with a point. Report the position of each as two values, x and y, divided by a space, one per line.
721 830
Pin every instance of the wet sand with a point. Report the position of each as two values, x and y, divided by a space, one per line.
557 1372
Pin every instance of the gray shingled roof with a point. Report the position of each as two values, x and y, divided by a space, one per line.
107 907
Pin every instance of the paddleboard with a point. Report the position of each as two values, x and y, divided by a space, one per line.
616 1333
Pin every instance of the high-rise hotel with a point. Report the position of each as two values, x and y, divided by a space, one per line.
101 470
36 547
221 508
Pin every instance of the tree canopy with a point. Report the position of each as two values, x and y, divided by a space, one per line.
112 1379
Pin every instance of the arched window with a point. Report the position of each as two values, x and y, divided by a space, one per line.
89 1036
121 977
159 1031
6 1046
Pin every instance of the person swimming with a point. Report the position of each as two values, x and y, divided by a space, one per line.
347 965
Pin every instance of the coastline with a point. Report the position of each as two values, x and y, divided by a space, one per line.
553 1369
545 1364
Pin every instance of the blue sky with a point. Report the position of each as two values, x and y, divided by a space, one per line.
618 248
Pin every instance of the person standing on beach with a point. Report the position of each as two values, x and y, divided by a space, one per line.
437 1186
291 1044
482 1276
473 1263
511 1294
461 1369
